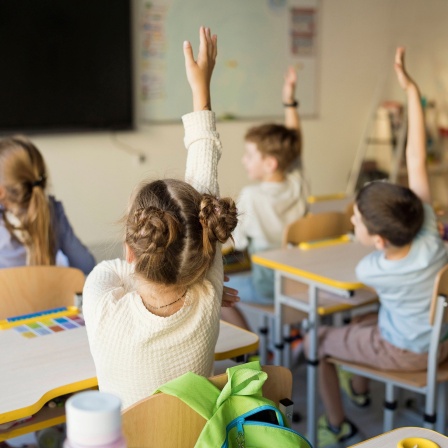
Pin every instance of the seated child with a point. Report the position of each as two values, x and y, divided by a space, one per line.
34 229
273 158
400 224
155 316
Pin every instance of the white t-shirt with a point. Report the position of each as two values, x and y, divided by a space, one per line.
264 210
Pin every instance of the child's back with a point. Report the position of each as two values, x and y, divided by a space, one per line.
273 158
155 316
405 285
400 224
265 209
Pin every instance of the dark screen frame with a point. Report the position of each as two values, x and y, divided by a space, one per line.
66 66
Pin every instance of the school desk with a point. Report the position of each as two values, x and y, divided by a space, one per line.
39 369
420 438
325 268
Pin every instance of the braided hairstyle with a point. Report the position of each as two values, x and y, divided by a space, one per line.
172 230
23 175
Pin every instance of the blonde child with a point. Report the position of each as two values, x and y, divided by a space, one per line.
155 316
34 229
272 158
401 225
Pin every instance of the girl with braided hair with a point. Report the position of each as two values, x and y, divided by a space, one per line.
156 315
34 229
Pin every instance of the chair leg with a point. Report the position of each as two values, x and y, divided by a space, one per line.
430 417
287 350
263 333
441 408
390 405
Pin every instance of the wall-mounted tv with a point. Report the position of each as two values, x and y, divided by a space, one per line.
65 66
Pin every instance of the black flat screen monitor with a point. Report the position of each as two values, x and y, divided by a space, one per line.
65 65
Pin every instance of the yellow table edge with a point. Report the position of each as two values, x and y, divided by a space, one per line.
305 274
30 427
54 393
324 243
323 311
325 197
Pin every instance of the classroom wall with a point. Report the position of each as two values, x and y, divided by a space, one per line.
94 174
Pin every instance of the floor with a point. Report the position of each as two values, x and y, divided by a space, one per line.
369 420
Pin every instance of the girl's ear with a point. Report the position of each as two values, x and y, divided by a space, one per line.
130 257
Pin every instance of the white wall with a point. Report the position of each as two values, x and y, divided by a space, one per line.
94 175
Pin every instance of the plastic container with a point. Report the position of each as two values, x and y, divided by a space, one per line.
94 421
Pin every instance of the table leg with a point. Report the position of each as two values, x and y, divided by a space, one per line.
312 367
278 330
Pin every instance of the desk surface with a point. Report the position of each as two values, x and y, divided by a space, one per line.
332 265
37 370
391 438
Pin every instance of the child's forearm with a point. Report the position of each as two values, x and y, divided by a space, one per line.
201 100
201 138
416 139
290 103
416 145
292 118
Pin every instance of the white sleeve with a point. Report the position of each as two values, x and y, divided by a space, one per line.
204 151
108 282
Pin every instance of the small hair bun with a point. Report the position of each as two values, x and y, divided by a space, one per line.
218 217
153 228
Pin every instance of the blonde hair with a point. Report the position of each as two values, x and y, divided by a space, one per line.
172 229
23 176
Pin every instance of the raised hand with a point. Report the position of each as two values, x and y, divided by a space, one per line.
418 180
403 78
289 86
199 71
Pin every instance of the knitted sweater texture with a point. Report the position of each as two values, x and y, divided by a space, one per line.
134 350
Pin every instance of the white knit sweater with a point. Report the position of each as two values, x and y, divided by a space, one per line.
134 350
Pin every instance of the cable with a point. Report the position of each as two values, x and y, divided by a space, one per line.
128 148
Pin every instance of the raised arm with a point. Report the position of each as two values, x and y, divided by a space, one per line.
201 138
292 119
416 138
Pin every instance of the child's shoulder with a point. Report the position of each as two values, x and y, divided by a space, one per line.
429 226
249 191
56 205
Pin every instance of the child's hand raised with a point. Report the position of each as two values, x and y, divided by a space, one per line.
289 86
199 72
403 78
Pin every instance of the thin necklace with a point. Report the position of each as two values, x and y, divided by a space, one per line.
164 306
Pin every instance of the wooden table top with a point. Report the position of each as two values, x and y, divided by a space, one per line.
332 265
36 370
